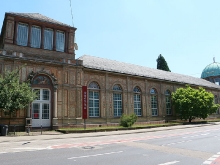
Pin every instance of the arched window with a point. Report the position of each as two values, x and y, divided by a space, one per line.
137 101
168 102
117 100
154 104
94 99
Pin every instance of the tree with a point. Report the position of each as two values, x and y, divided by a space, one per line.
162 64
192 103
14 95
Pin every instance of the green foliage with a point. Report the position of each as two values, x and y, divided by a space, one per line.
14 95
128 120
162 64
192 103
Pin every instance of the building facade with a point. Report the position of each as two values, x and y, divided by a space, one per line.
44 52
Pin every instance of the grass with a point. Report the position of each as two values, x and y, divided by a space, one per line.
112 128
135 126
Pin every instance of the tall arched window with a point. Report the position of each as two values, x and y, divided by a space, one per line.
154 104
168 102
94 99
117 100
137 101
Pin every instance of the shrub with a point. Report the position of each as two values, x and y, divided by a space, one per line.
128 120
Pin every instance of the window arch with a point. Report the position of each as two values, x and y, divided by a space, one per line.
137 101
94 99
168 102
117 100
154 103
41 79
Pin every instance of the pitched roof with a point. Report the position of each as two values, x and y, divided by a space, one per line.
136 70
37 16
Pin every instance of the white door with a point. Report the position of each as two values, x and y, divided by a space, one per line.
41 109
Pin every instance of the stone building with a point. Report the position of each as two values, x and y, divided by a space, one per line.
44 51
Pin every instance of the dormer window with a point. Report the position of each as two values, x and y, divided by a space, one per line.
40 37
48 39
60 41
22 34
35 37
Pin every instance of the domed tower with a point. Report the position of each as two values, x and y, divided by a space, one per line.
212 72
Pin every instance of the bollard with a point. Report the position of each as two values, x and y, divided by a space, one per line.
41 129
28 130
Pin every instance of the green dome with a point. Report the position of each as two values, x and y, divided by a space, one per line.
212 69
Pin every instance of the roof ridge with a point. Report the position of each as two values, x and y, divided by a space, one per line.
104 64
40 17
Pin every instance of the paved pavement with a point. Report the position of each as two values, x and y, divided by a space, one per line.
46 135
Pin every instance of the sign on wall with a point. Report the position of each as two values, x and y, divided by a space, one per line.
84 102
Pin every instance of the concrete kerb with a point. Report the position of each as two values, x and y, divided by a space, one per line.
48 135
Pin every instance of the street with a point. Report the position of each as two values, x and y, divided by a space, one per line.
177 145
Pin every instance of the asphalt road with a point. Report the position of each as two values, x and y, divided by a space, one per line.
191 146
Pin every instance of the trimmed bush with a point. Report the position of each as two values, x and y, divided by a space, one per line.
128 120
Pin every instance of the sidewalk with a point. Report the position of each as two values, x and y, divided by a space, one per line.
47 135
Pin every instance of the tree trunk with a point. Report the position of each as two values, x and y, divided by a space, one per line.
190 120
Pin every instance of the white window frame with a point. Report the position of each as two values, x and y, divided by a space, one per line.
60 41
137 101
41 101
117 100
94 103
48 42
35 40
154 102
22 34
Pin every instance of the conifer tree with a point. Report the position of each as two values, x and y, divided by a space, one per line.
162 64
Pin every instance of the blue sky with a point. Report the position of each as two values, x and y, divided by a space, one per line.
185 32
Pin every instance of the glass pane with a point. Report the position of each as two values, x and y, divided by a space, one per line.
60 41
48 39
93 104
35 110
94 85
22 34
167 92
154 105
96 95
117 101
35 37
153 91
137 90
45 111
46 94
117 88
41 80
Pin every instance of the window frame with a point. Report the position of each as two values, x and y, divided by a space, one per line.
46 47
154 102
94 88
20 35
137 101
31 42
168 102
58 45
117 100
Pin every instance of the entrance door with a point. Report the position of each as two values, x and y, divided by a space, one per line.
41 109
